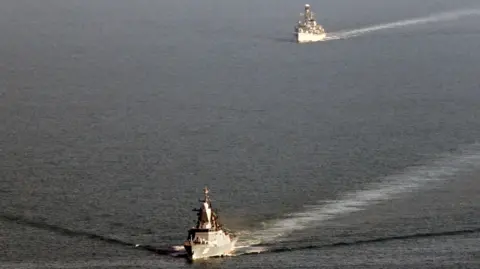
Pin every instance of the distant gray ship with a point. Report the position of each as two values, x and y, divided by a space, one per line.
307 30
208 238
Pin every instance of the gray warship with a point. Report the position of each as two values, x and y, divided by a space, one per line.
208 238
308 30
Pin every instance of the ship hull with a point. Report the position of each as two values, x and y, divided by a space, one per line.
204 251
308 37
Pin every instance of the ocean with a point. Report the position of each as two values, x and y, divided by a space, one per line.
361 151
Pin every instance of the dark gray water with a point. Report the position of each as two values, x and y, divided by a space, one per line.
356 152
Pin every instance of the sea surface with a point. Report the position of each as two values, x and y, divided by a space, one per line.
361 151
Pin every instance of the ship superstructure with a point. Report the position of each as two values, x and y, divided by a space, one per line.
308 30
208 238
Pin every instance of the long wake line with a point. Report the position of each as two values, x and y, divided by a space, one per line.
391 187
366 241
445 16
76 233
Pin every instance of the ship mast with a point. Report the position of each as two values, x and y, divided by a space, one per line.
207 198
207 219
308 16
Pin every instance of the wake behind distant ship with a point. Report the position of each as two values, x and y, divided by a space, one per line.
308 30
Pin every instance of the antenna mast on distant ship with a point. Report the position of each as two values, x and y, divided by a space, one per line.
308 30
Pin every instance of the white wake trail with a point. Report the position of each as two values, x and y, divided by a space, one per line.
446 16
412 179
